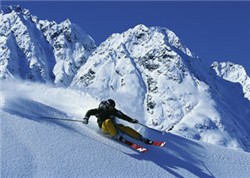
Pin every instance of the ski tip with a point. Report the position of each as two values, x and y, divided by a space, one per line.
163 144
160 144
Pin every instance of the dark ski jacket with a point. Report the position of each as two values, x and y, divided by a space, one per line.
103 115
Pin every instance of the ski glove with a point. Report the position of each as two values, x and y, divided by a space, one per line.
85 120
135 121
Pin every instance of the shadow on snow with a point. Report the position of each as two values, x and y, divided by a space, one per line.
179 153
33 110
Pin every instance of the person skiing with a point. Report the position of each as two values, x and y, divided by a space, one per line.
106 114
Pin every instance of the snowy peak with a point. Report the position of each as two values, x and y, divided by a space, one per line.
155 35
138 50
71 47
14 9
234 73
40 50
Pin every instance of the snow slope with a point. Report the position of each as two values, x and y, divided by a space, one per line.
34 147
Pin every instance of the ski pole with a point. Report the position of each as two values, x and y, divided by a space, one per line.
161 132
73 120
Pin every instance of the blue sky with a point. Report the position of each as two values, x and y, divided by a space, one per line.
215 31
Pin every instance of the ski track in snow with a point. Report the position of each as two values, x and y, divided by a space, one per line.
35 147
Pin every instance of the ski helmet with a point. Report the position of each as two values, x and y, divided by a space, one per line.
104 105
107 105
111 103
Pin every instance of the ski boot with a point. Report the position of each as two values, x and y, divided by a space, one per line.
146 141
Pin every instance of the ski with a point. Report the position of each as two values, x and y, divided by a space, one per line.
154 143
159 143
132 145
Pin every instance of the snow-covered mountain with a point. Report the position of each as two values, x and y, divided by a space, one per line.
147 70
150 68
39 50
234 73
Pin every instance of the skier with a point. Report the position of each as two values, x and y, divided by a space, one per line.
106 114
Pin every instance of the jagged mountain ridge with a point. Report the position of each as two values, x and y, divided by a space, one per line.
148 67
46 51
234 73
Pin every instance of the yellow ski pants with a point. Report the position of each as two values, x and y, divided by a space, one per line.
108 127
